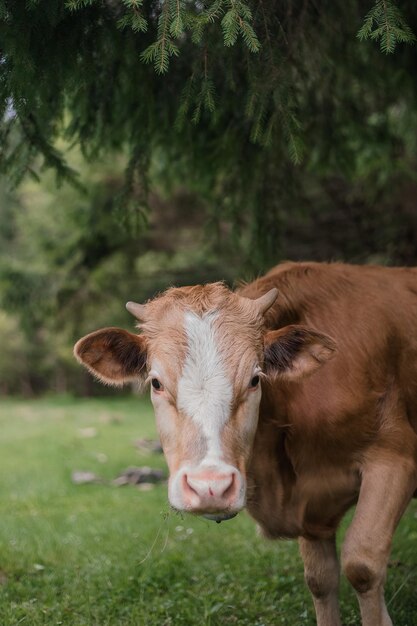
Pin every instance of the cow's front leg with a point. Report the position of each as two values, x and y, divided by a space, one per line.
321 572
387 486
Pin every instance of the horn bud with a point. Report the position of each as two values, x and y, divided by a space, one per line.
137 310
267 300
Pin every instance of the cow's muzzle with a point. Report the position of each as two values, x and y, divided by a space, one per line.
218 492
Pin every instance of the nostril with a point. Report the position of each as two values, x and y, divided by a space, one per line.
231 488
187 487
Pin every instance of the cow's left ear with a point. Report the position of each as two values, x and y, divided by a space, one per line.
294 352
113 355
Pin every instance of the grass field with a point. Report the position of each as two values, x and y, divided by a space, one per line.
96 554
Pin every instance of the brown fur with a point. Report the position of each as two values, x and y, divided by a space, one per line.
366 396
349 427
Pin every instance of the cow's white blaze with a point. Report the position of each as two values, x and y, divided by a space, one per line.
204 388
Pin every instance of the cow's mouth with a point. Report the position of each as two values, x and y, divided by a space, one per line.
219 517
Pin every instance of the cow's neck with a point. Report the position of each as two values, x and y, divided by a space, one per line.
285 497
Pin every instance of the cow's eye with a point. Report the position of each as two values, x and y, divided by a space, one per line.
156 384
254 382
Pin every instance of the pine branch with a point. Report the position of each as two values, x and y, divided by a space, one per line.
185 102
177 8
205 100
133 16
75 5
164 47
385 23
237 21
214 12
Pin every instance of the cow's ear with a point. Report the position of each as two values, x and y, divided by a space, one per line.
294 352
113 355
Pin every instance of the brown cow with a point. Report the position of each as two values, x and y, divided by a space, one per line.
334 350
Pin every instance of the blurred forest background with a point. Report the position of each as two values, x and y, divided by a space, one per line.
146 144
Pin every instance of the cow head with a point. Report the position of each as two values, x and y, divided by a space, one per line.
205 352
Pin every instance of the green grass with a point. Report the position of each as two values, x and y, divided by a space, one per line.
100 555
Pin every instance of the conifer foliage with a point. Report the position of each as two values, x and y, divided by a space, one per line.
237 96
386 23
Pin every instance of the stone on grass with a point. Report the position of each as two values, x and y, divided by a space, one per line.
139 476
80 477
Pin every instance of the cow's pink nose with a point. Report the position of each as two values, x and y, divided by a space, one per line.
210 491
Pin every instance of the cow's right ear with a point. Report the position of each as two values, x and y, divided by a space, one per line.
293 352
113 355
